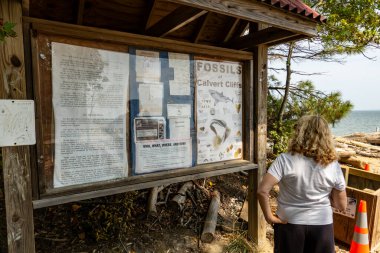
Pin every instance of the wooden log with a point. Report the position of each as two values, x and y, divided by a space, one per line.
211 218
354 161
179 199
368 154
373 140
16 160
345 152
357 144
152 200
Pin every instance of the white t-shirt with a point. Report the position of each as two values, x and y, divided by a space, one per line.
305 187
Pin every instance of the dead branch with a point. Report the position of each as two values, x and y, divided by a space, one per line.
179 199
211 219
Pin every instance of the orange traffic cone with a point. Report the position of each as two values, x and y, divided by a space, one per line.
360 241
366 167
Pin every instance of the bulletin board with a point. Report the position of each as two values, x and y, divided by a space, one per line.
111 116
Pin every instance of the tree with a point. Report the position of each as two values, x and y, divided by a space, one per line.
303 99
352 26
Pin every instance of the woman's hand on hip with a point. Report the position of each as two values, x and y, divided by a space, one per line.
273 219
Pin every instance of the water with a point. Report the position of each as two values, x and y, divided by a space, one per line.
358 121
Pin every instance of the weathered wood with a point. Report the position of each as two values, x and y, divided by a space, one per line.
202 28
344 225
211 218
257 224
179 199
345 152
98 34
357 143
355 161
80 11
362 173
175 20
266 36
248 131
71 194
152 200
295 37
16 160
255 11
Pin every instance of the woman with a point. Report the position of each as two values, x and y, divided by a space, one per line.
310 181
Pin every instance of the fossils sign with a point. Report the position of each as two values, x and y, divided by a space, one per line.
219 114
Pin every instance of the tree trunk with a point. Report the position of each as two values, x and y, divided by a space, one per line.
287 82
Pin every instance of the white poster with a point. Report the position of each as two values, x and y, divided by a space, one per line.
90 91
180 63
219 110
162 155
148 66
151 97
17 125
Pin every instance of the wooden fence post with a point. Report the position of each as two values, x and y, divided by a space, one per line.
16 160
257 223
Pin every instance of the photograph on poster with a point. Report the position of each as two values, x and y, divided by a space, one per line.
219 114
180 63
150 128
148 66
90 91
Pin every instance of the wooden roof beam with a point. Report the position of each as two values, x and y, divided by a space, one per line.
231 30
148 15
237 33
289 39
175 20
266 36
256 11
202 27
80 11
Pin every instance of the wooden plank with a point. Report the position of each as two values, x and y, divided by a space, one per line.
80 11
90 33
257 223
362 173
255 11
266 36
293 38
202 28
175 20
138 186
138 179
248 131
16 163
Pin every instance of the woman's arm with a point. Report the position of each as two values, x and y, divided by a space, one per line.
263 195
339 199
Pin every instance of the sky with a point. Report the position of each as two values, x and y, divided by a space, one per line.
358 79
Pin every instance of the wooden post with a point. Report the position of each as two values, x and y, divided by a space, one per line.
257 224
16 160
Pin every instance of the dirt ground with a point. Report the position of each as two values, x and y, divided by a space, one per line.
119 223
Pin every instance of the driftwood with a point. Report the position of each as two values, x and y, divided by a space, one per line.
179 199
373 140
345 152
354 161
152 200
212 215
357 144
368 154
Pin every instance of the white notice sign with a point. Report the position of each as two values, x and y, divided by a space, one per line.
90 91
17 126
162 155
